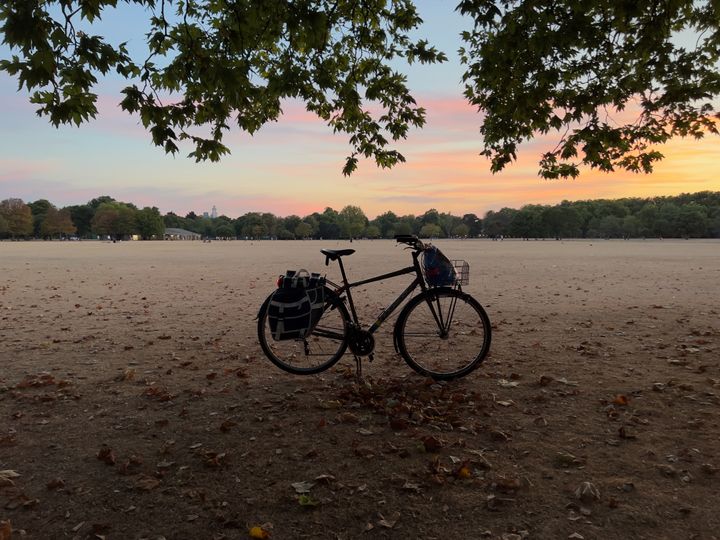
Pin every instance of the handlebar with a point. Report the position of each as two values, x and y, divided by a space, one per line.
411 240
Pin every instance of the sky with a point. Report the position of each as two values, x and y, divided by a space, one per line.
294 166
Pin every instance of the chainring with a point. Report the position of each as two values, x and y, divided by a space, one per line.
362 342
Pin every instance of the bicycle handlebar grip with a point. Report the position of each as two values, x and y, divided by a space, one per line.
411 240
406 238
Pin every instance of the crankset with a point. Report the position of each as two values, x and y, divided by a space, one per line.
361 342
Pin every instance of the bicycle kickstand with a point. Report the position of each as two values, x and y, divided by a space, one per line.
358 363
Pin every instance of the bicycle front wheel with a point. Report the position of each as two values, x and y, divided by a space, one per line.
443 333
314 353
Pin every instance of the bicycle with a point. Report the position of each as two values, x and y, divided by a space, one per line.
442 332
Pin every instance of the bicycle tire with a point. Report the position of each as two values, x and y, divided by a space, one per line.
443 355
327 342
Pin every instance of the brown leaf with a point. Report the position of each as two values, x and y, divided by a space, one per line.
159 393
545 380
504 484
55 483
325 478
146 483
621 400
390 522
432 444
106 455
215 459
227 425
5 530
348 418
398 423
6 477
463 470
364 451
259 532
587 492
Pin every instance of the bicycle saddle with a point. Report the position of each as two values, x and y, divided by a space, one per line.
335 254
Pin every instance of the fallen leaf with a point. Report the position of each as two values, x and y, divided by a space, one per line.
348 418
226 425
306 500
325 478
6 478
106 455
587 492
390 522
432 444
259 532
5 530
463 471
55 483
409 486
333 404
507 484
545 380
565 460
302 487
621 400
398 423
147 483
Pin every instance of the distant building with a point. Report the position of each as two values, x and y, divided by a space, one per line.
172 233
213 213
206 215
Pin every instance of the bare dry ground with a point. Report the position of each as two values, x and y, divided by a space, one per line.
135 401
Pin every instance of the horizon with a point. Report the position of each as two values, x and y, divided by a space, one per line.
294 166
200 213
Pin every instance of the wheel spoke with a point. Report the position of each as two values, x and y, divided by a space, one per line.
317 352
427 343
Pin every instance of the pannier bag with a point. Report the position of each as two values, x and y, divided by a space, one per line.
297 305
439 271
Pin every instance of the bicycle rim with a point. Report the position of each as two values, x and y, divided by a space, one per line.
443 334
316 353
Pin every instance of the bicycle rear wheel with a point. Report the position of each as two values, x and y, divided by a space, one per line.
443 333
314 353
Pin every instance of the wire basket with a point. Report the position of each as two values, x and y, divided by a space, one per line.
462 271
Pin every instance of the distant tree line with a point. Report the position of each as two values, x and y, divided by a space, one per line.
103 216
694 215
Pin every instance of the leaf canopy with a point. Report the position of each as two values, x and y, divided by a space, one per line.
531 67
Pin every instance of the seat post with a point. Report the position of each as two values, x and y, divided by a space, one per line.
349 296
342 270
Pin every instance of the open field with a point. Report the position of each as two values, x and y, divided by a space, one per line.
135 401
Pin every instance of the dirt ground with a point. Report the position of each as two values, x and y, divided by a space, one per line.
135 401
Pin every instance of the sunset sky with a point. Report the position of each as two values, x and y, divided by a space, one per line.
294 166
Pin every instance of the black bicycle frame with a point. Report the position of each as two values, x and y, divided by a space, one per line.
415 268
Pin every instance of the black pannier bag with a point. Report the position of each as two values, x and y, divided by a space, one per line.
297 305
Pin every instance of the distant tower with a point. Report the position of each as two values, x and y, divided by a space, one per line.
213 214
